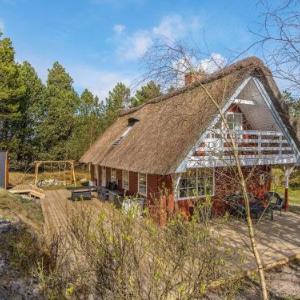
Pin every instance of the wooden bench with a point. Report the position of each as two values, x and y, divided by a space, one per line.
81 194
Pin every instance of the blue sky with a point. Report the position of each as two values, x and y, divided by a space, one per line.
101 42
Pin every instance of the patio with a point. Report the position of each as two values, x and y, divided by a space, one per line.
278 240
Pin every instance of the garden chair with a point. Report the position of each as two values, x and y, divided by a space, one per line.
275 201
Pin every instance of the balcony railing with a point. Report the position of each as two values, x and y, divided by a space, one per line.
253 147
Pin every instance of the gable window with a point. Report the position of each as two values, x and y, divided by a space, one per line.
125 180
113 176
142 184
103 176
234 120
196 183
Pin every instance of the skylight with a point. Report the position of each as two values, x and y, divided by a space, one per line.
131 122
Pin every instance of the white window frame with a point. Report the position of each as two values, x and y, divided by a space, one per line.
113 176
234 113
178 198
139 188
103 176
125 185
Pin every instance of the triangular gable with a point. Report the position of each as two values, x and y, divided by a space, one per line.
272 122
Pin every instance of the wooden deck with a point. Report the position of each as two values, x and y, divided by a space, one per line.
57 208
278 240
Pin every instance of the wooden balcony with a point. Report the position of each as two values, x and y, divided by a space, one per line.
253 147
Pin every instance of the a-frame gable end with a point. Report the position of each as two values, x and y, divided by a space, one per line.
277 118
186 162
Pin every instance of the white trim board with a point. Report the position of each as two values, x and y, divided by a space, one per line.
185 162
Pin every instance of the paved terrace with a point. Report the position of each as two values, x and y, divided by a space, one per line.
278 240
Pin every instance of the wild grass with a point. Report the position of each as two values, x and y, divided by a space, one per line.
115 255
29 211
294 188
16 178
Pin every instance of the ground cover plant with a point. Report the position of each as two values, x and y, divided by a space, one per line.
113 255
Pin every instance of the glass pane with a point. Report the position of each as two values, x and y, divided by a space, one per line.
182 193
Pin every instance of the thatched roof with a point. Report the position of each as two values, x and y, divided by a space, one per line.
170 125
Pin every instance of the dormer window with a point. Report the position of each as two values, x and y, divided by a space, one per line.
131 122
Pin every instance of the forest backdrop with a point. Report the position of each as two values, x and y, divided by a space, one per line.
52 121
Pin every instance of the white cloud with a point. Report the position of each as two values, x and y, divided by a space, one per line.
98 82
2 26
119 28
134 46
174 27
215 62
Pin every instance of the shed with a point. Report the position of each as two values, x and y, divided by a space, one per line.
4 166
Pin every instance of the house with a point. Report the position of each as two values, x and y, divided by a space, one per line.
181 142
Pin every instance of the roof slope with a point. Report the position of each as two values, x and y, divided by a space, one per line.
170 125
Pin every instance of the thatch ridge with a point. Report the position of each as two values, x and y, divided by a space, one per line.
171 124
249 63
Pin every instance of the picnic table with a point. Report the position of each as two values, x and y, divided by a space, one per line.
81 194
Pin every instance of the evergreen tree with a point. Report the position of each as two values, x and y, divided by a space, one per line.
115 102
292 103
145 93
58 120
23 144
11 92
89 124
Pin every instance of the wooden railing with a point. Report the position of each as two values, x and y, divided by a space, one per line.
253 147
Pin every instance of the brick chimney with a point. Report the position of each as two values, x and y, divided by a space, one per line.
192 77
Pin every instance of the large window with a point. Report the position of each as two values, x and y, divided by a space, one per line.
125 180
142 186
113 176
234 121
196 183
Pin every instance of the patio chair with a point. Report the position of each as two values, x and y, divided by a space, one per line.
103 193
275 201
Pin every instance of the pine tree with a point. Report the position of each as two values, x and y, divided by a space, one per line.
23 143
145 93
11 92
60 104
89 124
115 102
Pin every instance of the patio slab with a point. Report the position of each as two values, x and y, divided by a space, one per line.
278 240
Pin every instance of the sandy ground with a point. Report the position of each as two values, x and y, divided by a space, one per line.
283 283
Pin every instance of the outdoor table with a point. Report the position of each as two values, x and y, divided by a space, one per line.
84 194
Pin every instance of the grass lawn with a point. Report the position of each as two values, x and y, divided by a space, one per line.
294 189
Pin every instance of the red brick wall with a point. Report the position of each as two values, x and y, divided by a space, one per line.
119 179
108 172
133 183
160 197
226 183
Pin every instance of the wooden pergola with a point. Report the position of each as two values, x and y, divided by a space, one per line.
38 163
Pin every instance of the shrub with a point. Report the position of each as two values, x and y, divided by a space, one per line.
121 256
